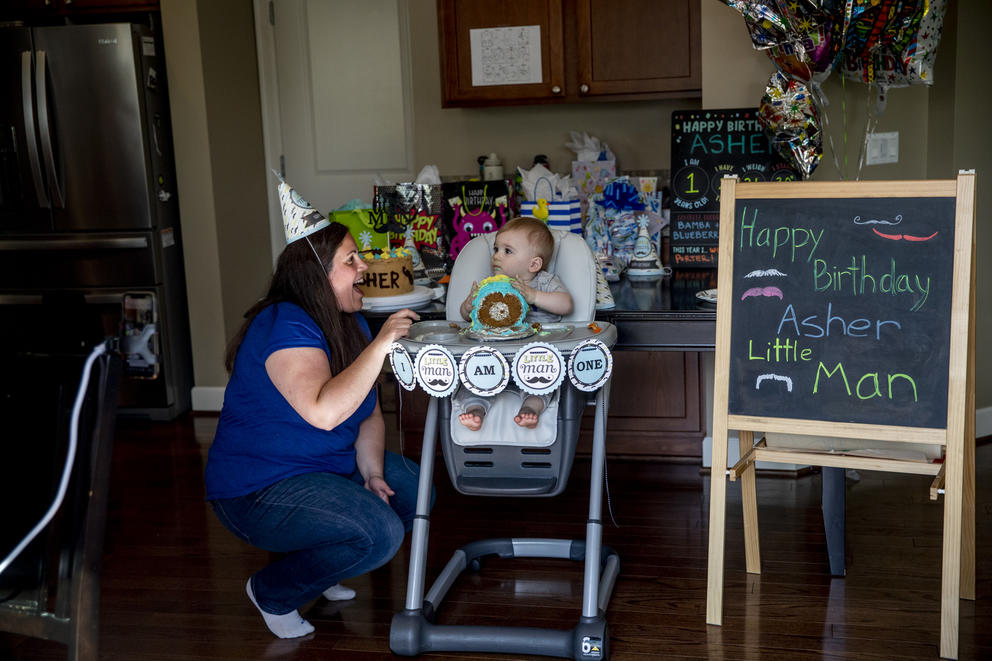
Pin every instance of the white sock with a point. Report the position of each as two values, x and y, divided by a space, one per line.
290 625
338 592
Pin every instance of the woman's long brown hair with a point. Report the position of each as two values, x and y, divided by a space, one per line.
299 278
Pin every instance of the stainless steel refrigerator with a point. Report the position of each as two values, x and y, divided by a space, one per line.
90 242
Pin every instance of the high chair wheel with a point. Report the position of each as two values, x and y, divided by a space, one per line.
474 565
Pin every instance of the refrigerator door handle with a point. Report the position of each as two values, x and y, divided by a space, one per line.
44 128
27 99
70 243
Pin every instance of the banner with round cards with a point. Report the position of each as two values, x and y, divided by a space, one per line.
484 371
538 368
402 366
590 365
436 371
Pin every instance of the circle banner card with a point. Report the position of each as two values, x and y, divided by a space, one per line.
436 371
402 366
484 371
590 365
538 368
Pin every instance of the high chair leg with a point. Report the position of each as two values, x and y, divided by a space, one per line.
421 521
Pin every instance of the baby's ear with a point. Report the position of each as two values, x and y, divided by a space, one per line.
536 264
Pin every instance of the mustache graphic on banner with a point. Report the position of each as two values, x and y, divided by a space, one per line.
539 379
437 382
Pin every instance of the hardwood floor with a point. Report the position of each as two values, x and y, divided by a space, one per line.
173 577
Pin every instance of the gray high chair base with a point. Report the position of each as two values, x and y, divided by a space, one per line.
414 631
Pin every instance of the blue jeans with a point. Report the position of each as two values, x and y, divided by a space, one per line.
329 526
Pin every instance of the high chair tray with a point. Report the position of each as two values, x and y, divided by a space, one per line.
451 334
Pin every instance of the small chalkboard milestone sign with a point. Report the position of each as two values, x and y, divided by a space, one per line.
845 310
706 146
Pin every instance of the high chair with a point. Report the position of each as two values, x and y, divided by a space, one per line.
531 466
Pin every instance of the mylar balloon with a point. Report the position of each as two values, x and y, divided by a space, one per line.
792 122
907 52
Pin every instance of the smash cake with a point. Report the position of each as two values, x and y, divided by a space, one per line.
498 308
390 272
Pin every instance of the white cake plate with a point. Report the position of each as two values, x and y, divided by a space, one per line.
419 296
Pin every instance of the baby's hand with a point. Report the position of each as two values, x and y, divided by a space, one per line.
466 306
525 290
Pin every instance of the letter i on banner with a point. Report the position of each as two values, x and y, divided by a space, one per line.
402 366
436 370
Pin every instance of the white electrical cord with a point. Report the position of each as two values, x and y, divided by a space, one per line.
69 460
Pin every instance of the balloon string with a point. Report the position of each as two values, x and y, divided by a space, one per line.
821 100
843 103
871 121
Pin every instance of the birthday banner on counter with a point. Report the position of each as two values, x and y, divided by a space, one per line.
706 146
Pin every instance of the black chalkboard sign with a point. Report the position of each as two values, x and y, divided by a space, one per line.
846 310
841 309
706 146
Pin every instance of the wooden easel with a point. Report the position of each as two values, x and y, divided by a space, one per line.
957 473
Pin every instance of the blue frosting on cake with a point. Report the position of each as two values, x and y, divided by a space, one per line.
501 285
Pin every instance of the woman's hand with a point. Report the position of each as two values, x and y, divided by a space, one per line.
377 485
396 326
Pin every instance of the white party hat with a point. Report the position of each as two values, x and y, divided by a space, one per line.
299 219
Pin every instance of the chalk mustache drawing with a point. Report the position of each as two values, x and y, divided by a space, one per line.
875 221
758 273
903 237
773 377
763 291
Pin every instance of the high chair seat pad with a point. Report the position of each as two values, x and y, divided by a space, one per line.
498 427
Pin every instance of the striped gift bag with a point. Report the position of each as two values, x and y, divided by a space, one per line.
561 214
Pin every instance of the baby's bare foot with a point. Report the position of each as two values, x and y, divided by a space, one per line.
472 418
526 418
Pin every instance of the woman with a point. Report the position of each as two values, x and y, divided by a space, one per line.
298 465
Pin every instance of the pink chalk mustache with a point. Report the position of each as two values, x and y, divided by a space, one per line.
763 291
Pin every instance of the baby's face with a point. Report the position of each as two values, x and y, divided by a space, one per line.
512 255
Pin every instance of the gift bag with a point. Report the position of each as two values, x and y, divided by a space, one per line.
591 177
359 223
419 206
472 208
560 214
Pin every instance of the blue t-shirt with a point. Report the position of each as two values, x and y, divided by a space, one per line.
260 438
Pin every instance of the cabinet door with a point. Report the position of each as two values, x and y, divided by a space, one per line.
499 52
655 406
638 47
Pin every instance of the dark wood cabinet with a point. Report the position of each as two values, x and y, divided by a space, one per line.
655 408
590 50
456 21
27 9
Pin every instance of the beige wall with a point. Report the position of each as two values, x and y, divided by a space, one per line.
219 151
217 127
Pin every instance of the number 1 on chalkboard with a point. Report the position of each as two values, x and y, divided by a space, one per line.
692 183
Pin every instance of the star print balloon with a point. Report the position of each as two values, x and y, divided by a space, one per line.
792 122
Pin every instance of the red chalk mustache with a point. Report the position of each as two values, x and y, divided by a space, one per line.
763 291
903 237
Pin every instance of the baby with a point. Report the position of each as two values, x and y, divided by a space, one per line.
522 248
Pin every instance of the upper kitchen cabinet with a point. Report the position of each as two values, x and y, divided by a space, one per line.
502 52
